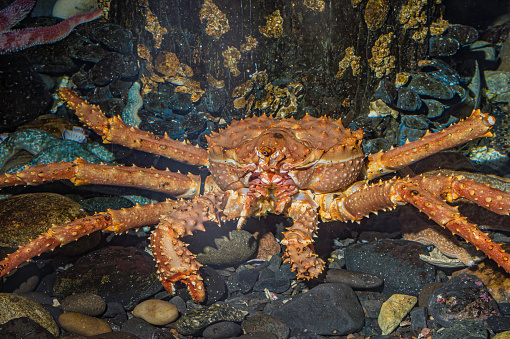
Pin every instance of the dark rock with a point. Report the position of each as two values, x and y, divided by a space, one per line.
247 279
386 91
258 335
419 318
331 309
408 100
276 285
82 81
123 274
139 327
397 262
504 308
24 328
463 330
441 46
89 53
424 84
39 297
265 323
465 35
214 285
440 70
115 38
195 321
498 324
115 314
434 108
463 297
115 335
105 71
23 93
412 128
214 100
221 330
353 279
127 67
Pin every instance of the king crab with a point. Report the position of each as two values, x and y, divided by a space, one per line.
303 169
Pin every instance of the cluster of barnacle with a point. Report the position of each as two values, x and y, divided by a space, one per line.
216 21
274 25
280 100
167 68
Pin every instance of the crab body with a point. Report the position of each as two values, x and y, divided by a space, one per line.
304 169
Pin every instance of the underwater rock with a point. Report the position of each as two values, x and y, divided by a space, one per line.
434 108
24 217
443 46
440 70
114 37
23 93
408 100
386 91
412 127
464 35
423 84
122 274
15 306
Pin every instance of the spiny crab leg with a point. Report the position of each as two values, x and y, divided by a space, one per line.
81 172
117 221
449 217
477 125
114 130
175 262
299 240
362 199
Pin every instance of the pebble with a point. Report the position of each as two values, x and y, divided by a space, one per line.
85 303
156 312
222 329
419 318
197 320
13 306
82 324
353 278
331 309
394 310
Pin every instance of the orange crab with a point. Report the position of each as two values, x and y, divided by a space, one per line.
304 169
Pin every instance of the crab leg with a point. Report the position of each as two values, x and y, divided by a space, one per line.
117 221
449 217
299 240
175 262
81 172
114 130
455 186
477 125
361 199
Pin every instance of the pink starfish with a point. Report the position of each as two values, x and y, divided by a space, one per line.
18 39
